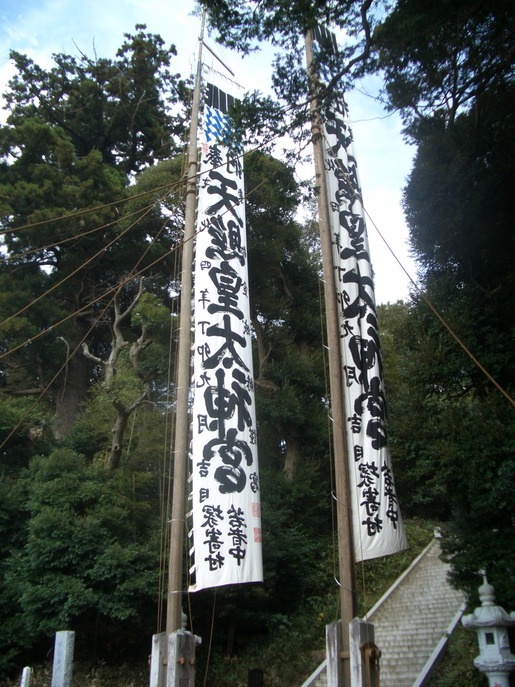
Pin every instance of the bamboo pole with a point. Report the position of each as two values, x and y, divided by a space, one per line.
343 509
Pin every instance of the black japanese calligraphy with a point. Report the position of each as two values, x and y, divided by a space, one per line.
224 443
373 490
212 518
237 534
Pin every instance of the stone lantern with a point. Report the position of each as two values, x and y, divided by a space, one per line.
491 623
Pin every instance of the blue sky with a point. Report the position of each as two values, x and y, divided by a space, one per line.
40 28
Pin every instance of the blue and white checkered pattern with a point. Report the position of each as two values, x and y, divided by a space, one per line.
217 126
325 72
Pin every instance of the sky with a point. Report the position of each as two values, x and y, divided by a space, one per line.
40 28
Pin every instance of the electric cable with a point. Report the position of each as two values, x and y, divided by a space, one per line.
426 299
103 249
442 320
85 211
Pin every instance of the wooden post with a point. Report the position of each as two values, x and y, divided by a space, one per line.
63 659
333 648
174 605
158 660
363 659
181 659
343 506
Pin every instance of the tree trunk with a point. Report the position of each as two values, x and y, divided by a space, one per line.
293 456
118 342
70 393
118 431
261 347
262 381
137 347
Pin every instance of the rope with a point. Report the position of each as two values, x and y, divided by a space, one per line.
85 211
107 292
130 437
73 237
113 291
47 387
65 279
166 463
425 298
170 417
132 275
433 309
210 638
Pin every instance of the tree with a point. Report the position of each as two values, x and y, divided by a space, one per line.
124 108
245 26
242 26
285 312
451 74
419 455
85 555
91 225
439 60
75 136
458 205
84 218
452 447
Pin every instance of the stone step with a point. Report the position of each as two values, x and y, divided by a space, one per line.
412 619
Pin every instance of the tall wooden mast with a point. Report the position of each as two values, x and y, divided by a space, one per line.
343 504
181 438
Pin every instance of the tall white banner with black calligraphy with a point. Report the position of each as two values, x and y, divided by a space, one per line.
377 523
225 478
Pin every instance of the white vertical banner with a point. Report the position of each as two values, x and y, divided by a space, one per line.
377 522
225 478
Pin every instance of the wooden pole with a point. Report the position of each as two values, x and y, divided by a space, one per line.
181 439
343 509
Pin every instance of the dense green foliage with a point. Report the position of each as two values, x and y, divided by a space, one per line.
286 316
439 59
86 554
75 136
111 276
453 448
457 669
88 275
450 70
286 645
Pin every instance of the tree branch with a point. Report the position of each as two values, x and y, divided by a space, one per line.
90 356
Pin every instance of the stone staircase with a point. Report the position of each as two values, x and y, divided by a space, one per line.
412 621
